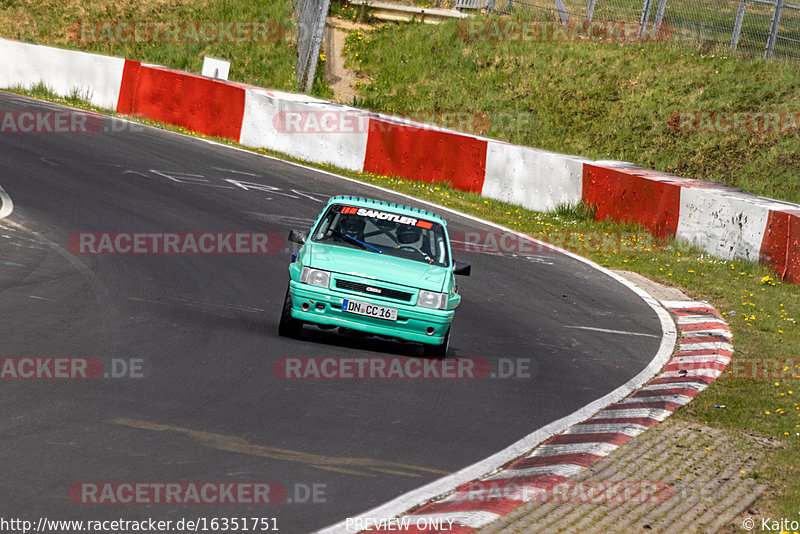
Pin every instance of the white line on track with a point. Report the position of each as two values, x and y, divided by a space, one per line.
608 331
6 206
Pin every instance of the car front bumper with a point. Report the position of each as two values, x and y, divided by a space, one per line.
325 308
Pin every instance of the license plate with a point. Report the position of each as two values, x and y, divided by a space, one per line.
370 310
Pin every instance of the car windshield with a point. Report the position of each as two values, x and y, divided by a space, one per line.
383 232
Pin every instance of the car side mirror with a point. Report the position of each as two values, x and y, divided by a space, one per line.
296 236
464 269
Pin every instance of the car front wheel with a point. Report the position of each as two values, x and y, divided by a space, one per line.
438 351
289 326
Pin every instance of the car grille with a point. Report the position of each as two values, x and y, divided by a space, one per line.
384 292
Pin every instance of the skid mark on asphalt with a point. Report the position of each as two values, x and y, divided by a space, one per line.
198 305
608 331
234 171
352 466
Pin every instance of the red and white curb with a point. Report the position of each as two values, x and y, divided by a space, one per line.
703 352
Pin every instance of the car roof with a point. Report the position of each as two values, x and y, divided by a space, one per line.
386 206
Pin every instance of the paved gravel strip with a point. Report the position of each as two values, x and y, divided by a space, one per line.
707 489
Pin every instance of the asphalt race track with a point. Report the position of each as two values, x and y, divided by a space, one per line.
195 338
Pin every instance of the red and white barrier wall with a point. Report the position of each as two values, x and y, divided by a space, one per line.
284 122
533 178
397 147
92 77
723 221
197 103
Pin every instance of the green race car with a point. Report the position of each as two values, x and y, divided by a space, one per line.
374 267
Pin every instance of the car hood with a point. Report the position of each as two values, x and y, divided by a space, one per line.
374 266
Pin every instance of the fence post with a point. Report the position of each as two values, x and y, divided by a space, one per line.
562 12
311 27
737 26
648 5
662 4
590 10
490 6
773 29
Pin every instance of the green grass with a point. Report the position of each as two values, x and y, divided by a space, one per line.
598 100
269 65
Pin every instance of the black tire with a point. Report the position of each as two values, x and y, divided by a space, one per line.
438 351
289 326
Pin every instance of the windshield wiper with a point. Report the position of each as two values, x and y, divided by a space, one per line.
356 241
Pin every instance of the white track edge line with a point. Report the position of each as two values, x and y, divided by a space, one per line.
6 206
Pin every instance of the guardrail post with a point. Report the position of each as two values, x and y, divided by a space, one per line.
662 4
562 12
737 26
648 5
590 10
773 29
311 20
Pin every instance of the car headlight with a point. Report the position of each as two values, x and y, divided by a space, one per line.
315 277
432 299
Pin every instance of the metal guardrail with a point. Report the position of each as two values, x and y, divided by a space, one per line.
775 23
769 28
475 4
395 12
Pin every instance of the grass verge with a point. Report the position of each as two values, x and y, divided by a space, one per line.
271 64
762 311
597 100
